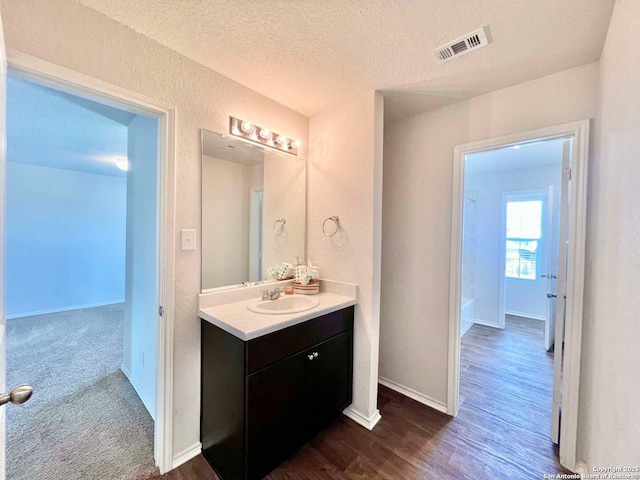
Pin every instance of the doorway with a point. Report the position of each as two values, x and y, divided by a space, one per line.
523 254
81 275
86 88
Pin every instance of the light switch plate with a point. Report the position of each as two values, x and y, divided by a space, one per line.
188 240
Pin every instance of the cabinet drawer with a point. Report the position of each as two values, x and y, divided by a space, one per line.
271 348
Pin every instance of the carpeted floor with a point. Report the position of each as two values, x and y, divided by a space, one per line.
84 421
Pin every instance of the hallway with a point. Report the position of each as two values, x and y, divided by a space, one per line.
501 431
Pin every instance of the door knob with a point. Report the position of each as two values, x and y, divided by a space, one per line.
17 396
551 295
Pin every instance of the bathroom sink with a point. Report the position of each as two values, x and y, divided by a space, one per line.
284 305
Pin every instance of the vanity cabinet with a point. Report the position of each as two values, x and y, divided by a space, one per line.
264 398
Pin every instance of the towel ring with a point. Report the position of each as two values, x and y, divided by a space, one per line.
336 221
278 226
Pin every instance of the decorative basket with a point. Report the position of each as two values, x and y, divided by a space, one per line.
310 289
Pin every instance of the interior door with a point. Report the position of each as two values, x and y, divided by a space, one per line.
552 269
560 293
3 165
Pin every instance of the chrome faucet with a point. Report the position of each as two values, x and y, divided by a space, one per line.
267 295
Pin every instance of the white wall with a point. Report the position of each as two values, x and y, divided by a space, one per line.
141 290
521 297
345 179
74 36
418 163
609 410
65 239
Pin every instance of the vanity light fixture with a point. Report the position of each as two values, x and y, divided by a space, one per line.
247 127
265 133
262 136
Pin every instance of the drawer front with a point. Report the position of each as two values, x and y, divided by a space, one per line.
271 348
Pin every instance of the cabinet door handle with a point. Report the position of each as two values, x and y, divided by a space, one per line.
316 354
310 356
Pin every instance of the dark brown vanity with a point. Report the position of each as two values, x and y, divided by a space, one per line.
264 398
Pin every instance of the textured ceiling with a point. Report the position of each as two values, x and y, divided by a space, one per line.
529 155
50 128
310 54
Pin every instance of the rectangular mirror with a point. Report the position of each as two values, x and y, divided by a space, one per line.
253 211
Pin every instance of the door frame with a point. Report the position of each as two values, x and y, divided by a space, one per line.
579 131
78 84
255 234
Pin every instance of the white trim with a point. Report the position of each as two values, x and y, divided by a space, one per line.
502 298
579 131
465 330
3 166
486 323
64 309
414 395
256 240
525 315
187 454
138 390
575 295
64 79
367 422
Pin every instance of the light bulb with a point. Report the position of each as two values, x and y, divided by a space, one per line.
122 164
265 133
247 127
516 147
296 144
281 140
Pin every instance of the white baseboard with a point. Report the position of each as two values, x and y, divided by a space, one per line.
187 454
138 390
360 419
462 331
485 323
524 315
65 309
417 396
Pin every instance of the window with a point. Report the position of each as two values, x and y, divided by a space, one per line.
524 230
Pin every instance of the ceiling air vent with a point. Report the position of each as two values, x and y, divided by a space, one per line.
468 43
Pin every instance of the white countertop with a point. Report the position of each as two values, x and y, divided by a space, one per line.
236 319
